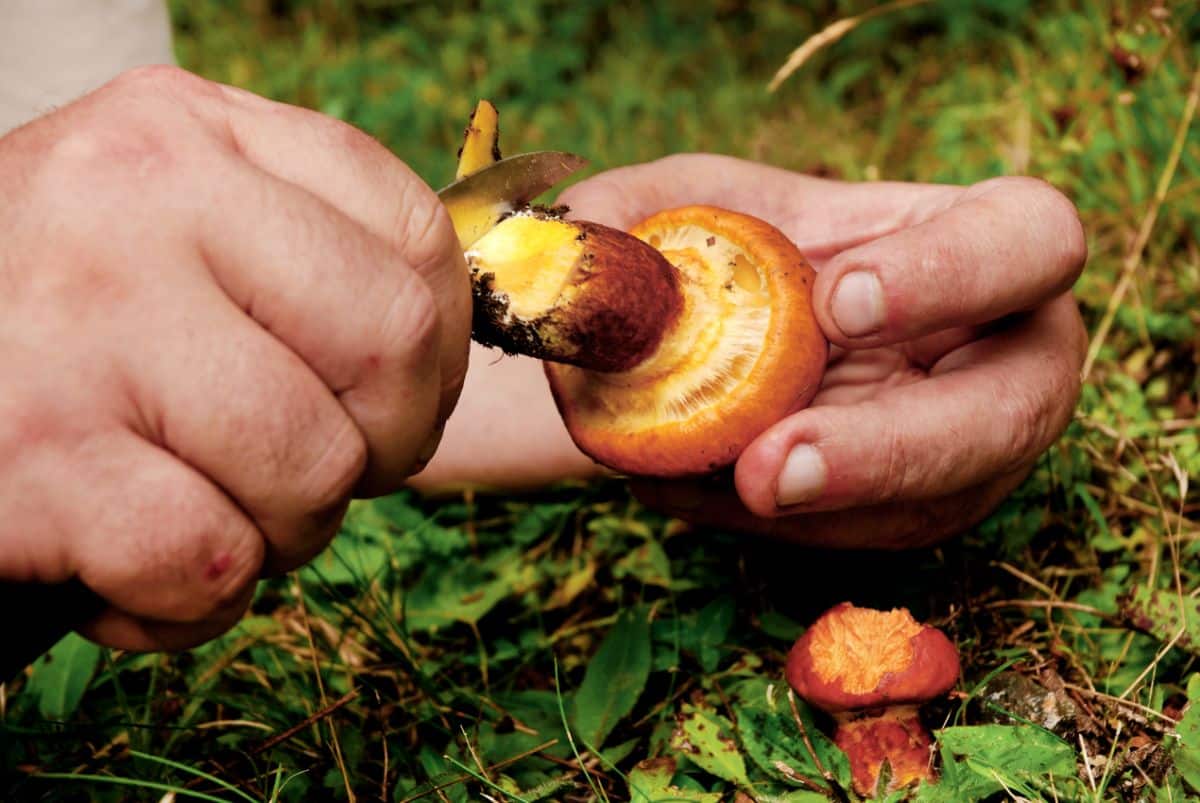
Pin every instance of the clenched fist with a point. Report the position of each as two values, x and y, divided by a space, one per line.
220 317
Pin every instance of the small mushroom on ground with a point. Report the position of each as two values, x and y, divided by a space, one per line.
871 670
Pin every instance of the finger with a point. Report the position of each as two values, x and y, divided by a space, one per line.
1005 246
888 526
822 217
354 173
149 534
122 631
250 415
343 300
986 409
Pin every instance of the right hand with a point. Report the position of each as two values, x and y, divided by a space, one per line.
220 317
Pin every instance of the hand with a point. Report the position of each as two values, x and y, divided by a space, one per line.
956 347
219 317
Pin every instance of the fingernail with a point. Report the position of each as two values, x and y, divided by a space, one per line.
802 478
858 304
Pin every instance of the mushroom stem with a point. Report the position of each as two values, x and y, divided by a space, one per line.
893 736
572 292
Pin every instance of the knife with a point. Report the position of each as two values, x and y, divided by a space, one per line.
476 203
480 200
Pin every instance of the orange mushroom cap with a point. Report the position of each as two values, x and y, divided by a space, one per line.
744 352
855 658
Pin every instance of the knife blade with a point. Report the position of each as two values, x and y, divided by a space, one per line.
477 202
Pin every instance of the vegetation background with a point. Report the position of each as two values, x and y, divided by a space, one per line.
543 647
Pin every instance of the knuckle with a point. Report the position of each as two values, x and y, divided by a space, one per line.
891 480
158 79
1029 418
195 571
27 426
1044 205
213 555
102 149
334 474
427 238
1053 205
346 137
410 328
229 573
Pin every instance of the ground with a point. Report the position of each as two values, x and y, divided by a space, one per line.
572 645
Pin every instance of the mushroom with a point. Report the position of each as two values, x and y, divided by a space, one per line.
871 670
668 348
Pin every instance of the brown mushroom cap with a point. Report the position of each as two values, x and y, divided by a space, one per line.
855 658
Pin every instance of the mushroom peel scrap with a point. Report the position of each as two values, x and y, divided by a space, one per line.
668 348
871 670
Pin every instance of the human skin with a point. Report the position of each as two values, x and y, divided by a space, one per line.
931 411
220 317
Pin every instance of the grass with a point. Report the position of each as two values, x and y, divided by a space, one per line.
544 647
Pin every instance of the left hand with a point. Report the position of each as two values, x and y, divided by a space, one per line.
956 347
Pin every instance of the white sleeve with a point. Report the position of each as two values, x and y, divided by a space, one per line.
53 51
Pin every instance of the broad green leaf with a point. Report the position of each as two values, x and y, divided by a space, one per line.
1186 752
61 676
981 760
1164 613
349 559
537 711
706 738
772 738
712 628
779 626
619 752
614 679
650 782
462 592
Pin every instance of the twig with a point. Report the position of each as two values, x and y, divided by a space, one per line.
808 745
491 768
1170 645
1130 704
335 743
304 723
1027 578
830 34
1048 603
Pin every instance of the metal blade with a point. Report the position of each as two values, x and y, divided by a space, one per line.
476 203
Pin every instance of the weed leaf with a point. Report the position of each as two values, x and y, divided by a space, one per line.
61 676
614 679
1164 613
707 739
981 760
650 782
1187 746
772 738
